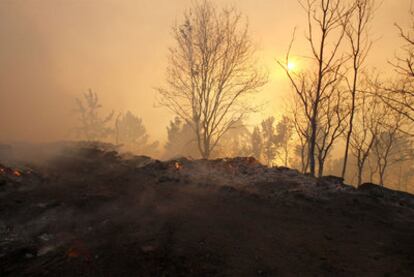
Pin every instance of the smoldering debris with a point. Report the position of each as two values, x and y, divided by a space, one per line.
21 177
91 210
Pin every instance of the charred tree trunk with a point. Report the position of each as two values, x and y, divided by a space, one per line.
321 167
351 125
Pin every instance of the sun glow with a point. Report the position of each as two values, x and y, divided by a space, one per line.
291 66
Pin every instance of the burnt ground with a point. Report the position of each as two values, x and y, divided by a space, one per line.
92 212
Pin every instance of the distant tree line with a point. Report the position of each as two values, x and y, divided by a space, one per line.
127 131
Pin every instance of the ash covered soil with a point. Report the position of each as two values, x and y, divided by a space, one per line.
93 212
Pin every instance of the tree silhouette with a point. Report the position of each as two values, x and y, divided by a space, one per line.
387 146
356 31
91 127
132 134
269 135
257 143
331 122
325 35
181 140
364 135
301 127
399 95
235 143
211 72
284 129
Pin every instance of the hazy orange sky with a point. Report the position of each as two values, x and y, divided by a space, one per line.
53 50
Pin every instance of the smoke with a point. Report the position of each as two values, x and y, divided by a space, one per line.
53 51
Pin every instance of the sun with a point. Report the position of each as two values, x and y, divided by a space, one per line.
291 66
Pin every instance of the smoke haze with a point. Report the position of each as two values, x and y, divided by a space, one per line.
51 51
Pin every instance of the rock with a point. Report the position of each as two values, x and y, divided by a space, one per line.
29 255
45 237
45 249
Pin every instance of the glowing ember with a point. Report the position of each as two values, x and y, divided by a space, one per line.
17 173
2 171
79 250
178 166
73 253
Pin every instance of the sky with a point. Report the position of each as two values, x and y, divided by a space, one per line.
52 51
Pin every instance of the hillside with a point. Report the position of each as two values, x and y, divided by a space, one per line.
93 212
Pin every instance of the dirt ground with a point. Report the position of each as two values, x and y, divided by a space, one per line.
92 212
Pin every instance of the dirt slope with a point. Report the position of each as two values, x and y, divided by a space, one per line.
91 212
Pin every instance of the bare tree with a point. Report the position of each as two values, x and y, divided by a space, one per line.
386 147
364 135
404 64
399 94
91 127
212 70
302 130
331 125
357 34
325 35
331 114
